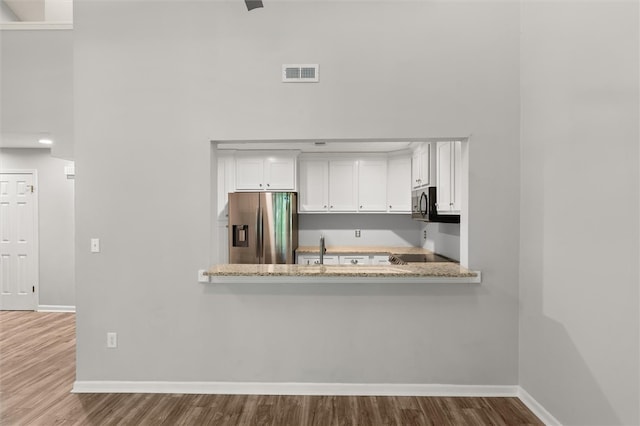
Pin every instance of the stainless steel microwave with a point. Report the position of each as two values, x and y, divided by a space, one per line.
423 207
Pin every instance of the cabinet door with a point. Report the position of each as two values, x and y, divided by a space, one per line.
343 186
415 170
380 260
456 176
280 173
315 260
399 185
372 188
424 156
314 186
354 260
249 172
444 173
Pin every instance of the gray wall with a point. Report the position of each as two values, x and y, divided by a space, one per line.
55 222
579 270
36 82
150 96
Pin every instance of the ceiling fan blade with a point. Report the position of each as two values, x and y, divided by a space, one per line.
253 4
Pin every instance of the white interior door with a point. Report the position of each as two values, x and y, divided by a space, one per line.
18 242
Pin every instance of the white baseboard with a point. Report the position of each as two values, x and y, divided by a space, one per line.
257 388
537 408
56 308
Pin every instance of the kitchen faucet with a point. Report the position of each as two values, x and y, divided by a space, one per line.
322 249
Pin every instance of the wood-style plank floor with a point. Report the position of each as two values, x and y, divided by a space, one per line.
37 370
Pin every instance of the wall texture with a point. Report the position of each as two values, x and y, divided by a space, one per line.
36 82
579 326
55 220
150 96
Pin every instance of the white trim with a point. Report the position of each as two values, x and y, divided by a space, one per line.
56 308
537 408
21 25
260 388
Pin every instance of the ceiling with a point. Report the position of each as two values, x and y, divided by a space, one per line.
23 140
37 10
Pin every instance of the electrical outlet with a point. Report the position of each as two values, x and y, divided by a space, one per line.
424 234
112 340
357 233
202 276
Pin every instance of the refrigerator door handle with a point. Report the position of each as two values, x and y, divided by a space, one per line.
258 234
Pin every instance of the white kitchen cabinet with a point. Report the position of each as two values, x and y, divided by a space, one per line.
399 184
265 171
343 186
372 185
448 171
355 260
314 186
421 166
380 259
314 259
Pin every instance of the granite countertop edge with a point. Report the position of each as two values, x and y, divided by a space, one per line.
431 269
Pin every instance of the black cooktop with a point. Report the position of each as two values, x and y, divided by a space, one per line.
403 259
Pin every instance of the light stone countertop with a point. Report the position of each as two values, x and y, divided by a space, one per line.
428 272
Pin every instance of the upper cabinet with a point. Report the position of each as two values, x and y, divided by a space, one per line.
354 184
314 186
448 170
265 171
420 166
343 186
372 185
399 184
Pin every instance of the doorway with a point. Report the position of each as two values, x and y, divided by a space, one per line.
18 240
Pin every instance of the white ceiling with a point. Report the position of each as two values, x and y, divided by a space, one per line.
23 140
37 10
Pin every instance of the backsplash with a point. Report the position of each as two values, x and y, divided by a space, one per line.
379 230
375 229
443 238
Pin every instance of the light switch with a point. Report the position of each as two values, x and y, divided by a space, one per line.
95 245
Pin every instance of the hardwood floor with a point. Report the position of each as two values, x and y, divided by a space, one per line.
37 370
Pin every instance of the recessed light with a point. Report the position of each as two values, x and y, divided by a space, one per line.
45 141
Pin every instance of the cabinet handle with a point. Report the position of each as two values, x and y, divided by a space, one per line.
260 185
390 207
354 261
268 185
325 206
331 207
360 206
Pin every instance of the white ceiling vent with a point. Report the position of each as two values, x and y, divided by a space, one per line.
300 73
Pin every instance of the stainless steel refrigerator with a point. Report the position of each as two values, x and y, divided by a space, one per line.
263 227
